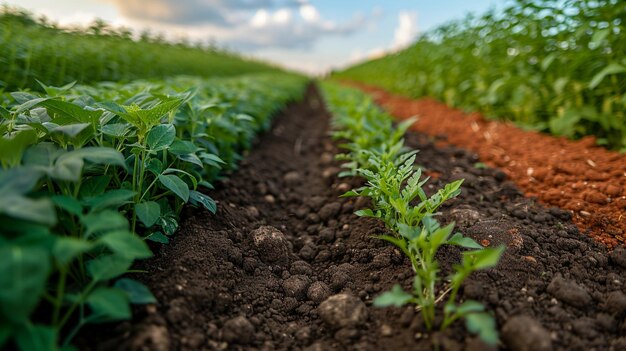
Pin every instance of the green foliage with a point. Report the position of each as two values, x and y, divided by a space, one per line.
89 173
552 65
395 188
38 50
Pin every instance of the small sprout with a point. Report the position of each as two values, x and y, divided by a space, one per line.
375 151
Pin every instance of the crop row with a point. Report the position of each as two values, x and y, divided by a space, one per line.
37 49
375 151
552 65
88 173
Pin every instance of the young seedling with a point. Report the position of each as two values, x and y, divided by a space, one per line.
395 188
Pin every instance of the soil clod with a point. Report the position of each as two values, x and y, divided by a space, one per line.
569 292
343 310
524 333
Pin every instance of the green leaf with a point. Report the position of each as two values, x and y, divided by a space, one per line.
107 267
182 147
43 154
12 149
158 237
169 224
565 124
176 185
103 222
69 204
67 113
109 304
180 171
112 107
395 297
214 159
36 210
155 166
94 186
350 193
459 240
137 293
54 91
31 101
161 137
599 36
67 248
470 306
366 213
612 68
197 197
4 113
116 130
408 232
440 236
67 167
71 130
23 275
100 155
148 212
484 325
483 259
110 199
192 158
36 338
125 243
18 181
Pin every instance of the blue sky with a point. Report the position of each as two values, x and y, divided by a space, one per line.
309 35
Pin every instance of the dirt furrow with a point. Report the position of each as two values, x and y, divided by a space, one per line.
258 274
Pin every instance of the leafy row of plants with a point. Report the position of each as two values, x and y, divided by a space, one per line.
39 49
375 151
558 66
89 173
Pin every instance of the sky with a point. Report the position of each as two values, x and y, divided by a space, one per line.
313 36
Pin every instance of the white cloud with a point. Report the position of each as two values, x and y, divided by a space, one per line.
240 24
260 18
309 13
406 31
282 16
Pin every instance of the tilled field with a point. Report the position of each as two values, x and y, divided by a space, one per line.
285 264
578 176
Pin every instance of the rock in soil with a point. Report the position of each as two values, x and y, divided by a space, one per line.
343 310
524 333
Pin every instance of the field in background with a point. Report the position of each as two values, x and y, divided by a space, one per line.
551 65
33 49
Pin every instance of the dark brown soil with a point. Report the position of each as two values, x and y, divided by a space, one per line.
286 265
579 176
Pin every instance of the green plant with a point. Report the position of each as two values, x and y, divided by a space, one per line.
551 65
395 188
38 49
88 173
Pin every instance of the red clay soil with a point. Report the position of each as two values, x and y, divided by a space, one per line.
574 175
